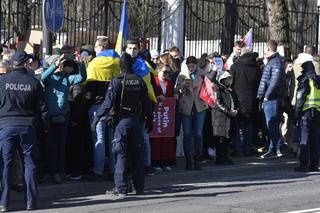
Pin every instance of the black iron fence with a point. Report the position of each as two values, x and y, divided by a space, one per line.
84 20
210 25
213 26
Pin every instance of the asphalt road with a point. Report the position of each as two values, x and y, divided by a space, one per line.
250 186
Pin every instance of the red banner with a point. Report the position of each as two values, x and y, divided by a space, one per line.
207 92
164 116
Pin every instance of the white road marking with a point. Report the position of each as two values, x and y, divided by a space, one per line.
306 211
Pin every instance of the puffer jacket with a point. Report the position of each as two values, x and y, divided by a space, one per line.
303 90
57 88
222 123
272 84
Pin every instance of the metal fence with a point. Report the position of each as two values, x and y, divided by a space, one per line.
206 21
84 20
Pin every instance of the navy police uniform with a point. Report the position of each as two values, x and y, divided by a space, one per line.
127 94
307 111
20 99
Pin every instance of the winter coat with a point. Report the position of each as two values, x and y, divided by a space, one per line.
246 77
272 84
302 57
57 88
303 90
189 98
221 121
169 88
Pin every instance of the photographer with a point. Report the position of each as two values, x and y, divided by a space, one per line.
57 80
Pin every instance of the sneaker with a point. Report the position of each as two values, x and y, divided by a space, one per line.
279 154
75 177
167 169
211 152
116 193
157 169
269 154
262 149
3 209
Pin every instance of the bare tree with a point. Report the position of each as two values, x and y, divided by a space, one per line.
146 16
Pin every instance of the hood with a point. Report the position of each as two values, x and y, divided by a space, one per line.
303 57
225 75
308 70
248 59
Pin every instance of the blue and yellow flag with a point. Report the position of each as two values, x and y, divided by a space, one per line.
123 30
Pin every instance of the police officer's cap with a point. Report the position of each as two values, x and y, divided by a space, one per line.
19 57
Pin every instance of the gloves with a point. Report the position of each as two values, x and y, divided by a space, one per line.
94 124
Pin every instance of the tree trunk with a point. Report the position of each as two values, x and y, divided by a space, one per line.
297 23
229 28
278 23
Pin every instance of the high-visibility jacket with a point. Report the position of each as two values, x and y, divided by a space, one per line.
313 99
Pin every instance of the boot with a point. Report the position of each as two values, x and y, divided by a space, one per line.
303 167
188 162
219 152
197 162
227 159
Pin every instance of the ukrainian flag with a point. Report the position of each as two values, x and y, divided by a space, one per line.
123 31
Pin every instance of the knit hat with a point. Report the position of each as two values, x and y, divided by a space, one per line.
154 53
52 59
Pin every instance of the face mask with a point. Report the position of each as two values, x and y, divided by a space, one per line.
265 61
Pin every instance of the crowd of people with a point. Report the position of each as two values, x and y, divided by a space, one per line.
87 113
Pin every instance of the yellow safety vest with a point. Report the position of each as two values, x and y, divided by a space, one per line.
313 99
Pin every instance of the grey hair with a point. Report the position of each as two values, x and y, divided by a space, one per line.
245 50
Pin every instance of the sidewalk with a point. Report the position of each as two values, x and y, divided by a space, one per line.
164 180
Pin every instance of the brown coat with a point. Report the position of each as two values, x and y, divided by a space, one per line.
190 94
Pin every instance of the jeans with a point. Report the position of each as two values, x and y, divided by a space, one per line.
271 110
147 147
99 141
193 124
248 131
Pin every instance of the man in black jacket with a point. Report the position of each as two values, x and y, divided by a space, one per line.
20 99
246 77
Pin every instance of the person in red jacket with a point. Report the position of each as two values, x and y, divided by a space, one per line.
162 149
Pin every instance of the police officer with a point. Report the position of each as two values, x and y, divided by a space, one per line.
307 111
127 94
20 99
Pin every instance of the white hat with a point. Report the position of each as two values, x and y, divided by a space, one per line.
154 53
